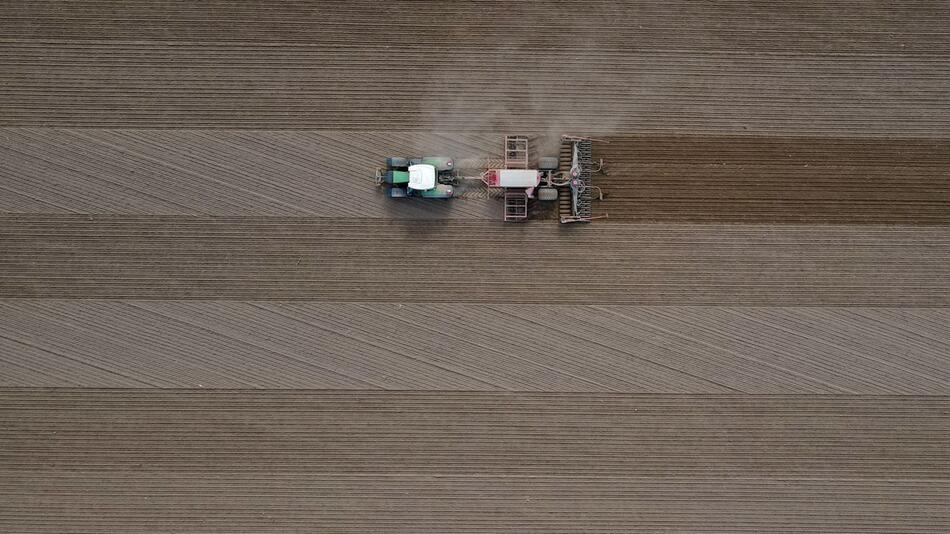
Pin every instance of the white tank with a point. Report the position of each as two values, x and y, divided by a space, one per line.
518 178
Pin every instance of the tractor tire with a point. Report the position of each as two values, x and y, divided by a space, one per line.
547 194
548 163
397 163
397 192
441 163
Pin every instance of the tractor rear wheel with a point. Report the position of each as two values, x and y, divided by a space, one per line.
441 163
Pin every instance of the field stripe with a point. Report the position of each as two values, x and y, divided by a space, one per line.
775 179
152 84
172 258
330 174
143 172
468 462
400 346
800 26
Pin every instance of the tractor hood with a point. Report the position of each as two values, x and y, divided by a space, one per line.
421 177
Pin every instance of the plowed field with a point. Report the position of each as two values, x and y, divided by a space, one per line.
212 320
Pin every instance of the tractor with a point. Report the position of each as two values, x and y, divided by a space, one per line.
437 176
427 177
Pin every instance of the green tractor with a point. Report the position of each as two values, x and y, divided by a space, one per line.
428 177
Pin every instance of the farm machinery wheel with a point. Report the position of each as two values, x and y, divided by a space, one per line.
396 163
547 194
548 163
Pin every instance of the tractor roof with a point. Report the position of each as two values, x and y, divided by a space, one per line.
421 177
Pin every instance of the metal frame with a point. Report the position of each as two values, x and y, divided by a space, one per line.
516 205
516 152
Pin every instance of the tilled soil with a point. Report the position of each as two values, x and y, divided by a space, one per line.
775 180
233 172
664 179
755 340
474 347
468 261
198 461
841 70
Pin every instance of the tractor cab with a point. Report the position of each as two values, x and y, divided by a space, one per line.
421 177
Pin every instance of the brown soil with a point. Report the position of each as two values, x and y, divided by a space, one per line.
187 202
